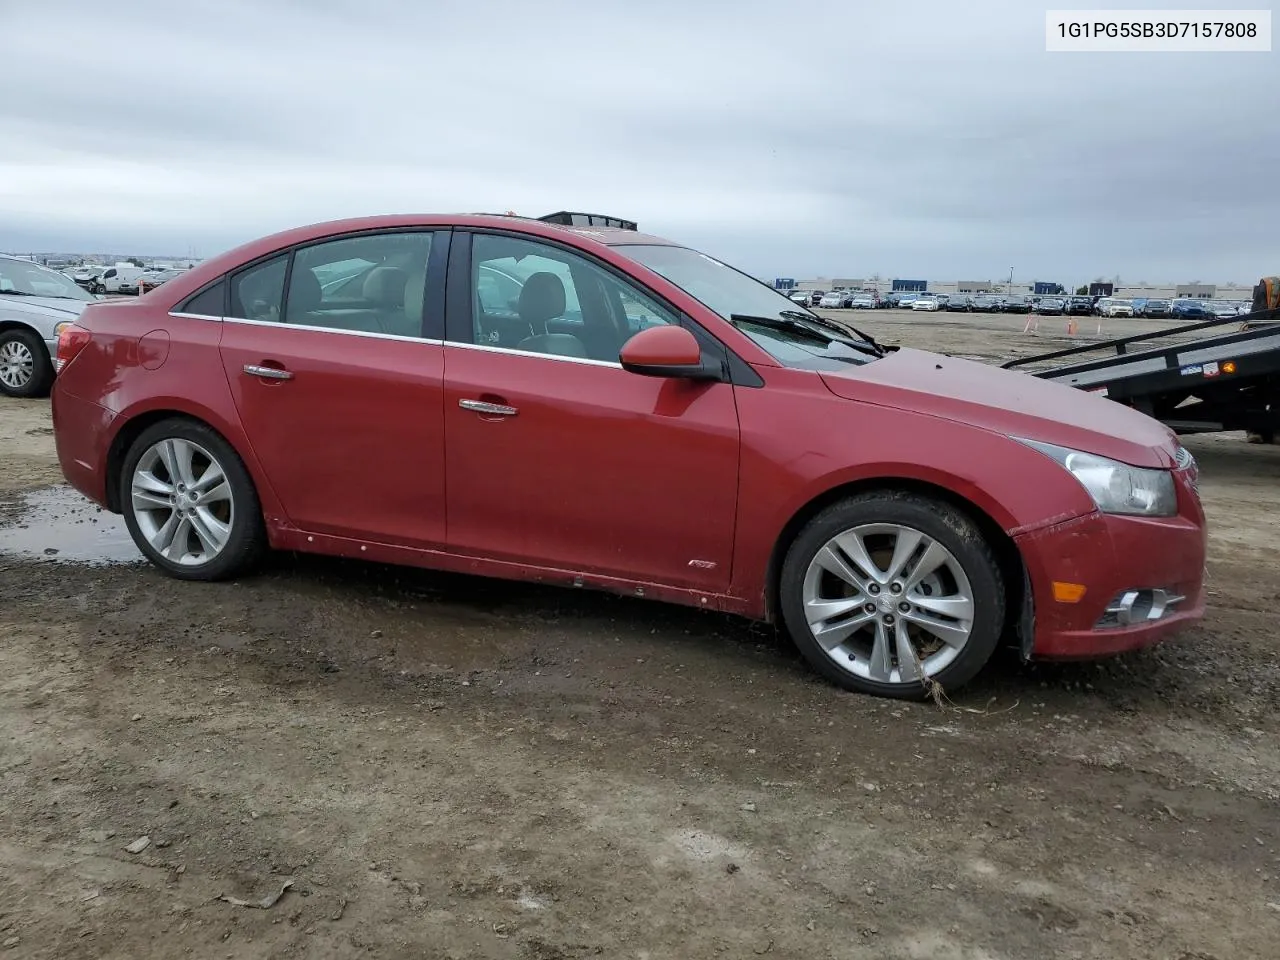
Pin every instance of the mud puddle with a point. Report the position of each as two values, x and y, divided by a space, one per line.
58 524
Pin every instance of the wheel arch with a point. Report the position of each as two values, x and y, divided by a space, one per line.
133 426
1012 567
8 324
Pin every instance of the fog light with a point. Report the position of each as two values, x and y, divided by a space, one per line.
1130 607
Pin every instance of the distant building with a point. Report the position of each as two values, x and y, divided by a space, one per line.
1200 290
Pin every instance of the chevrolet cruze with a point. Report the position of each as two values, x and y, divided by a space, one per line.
597 408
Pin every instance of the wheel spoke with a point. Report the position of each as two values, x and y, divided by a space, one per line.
818 612
144 499
856 551
212 478
935 555
831 561
833 635
165 536
219 493
164 450
213 533
908 662
880 664
956 607
182 454
147 481
949 633
905 545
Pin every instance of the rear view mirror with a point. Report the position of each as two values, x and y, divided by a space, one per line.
666 351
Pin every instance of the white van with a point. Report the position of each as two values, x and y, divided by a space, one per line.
114 277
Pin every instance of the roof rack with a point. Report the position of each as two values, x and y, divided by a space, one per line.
569 218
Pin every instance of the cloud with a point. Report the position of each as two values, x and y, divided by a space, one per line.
926 139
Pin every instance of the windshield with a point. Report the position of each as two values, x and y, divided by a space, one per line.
729 292
24 278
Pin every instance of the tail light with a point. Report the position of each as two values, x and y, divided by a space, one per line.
72 338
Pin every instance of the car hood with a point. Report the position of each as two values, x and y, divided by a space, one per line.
50 309
1008 402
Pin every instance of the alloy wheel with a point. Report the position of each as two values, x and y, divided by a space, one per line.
182 501
17 364
888 603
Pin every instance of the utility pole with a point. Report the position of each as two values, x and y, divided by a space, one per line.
1009 290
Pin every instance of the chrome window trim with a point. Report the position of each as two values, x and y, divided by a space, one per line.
336 330
533 353
192 316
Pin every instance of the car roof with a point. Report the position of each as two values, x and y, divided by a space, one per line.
260 246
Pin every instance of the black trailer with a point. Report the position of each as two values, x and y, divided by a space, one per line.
1228 381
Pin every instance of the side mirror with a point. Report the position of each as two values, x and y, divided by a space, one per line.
666 351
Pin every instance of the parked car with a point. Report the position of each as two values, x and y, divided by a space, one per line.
863 301
834 299
85 276
1221 308
1190 310
1015 303
35 303
1118 308
156 278
799 296
1051 307
621 412
906 299
113 278
926 303
1155 309
985 303
1079 306
960 303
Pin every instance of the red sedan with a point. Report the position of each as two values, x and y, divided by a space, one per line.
595 407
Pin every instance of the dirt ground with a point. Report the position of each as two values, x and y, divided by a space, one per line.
444 767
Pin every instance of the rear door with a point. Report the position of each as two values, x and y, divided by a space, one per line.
334 357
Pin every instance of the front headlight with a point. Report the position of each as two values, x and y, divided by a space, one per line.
1116 487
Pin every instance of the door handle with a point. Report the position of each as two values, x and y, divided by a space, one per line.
493 409
271 373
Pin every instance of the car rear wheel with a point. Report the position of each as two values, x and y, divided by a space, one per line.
892 593
25 368
189 503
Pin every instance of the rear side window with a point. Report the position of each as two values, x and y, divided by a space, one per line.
210 302
257 293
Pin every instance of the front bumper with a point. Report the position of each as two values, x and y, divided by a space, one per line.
1111 557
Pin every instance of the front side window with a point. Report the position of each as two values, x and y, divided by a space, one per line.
372 283
540 298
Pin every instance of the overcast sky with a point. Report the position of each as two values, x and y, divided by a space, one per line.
931 139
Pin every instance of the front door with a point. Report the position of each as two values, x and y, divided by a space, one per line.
558 457
338 389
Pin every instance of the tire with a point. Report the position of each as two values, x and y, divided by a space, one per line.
853 663
99 289
25 367
239 526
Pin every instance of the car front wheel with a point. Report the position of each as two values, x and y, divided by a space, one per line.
189 502
892 593
25 369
